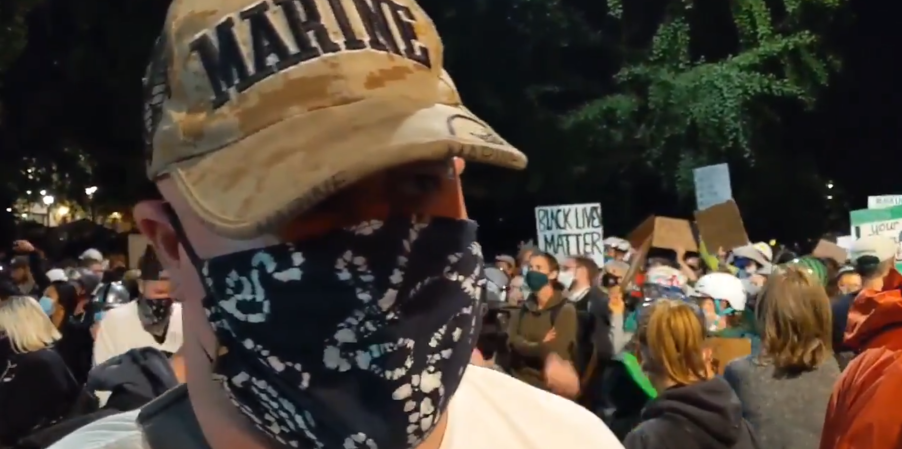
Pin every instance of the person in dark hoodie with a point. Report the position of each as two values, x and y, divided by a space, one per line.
693 408
594 330
545 324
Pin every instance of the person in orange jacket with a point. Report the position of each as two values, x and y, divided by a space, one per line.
863 412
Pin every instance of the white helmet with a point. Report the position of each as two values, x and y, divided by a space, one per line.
617 243
722 286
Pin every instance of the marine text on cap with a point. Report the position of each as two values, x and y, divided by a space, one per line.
389 28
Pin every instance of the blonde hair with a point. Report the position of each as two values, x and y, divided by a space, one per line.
674 338
795 321
29 329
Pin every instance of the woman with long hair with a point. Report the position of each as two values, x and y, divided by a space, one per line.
36 388
693 409
77 345
796 361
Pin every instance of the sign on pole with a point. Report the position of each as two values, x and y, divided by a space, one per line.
712 185
571 230
886 222
884 201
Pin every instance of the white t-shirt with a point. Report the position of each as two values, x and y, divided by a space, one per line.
490 410
121 331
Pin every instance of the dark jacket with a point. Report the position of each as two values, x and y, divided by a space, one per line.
36 390
527 330
77 344
133 378
704 415
624 393
840 308
594 334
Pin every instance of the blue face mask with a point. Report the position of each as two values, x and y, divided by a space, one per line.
46 304
523 270
98 316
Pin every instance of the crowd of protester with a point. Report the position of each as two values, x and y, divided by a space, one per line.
314 281
735 350
77 341
694 351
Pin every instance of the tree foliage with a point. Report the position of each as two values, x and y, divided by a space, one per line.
678 104
612 101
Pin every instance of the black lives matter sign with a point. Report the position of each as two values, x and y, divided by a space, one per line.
571 230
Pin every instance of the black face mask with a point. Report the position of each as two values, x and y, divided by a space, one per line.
357 339
155 314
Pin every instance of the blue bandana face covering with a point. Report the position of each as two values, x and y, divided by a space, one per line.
357 339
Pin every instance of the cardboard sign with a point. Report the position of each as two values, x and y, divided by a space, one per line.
725 350
829 250
571 230
721 226
712 185
637 261
665 232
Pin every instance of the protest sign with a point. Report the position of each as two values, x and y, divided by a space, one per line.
886 222
636 264
829 250
845 241
571 230
712 185
884 201
721 226
664 232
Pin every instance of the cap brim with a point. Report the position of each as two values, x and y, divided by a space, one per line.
750 253
257 184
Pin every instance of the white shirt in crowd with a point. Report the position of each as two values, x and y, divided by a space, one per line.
490 410
121 330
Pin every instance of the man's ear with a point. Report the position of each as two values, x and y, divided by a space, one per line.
152 220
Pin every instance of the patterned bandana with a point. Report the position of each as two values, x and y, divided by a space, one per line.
357 339
154 314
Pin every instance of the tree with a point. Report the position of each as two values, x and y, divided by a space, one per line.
681 103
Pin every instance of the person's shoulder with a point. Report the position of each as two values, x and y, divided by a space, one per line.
503 409
742 366
871 368
126 311
652 434
119 431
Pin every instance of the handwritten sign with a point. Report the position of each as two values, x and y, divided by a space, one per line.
886 222
712 185
571 230
884 201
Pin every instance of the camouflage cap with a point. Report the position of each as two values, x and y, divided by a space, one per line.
260 109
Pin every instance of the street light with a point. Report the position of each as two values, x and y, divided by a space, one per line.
829 184
48 199
43 192
90 191
62 211
9 209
